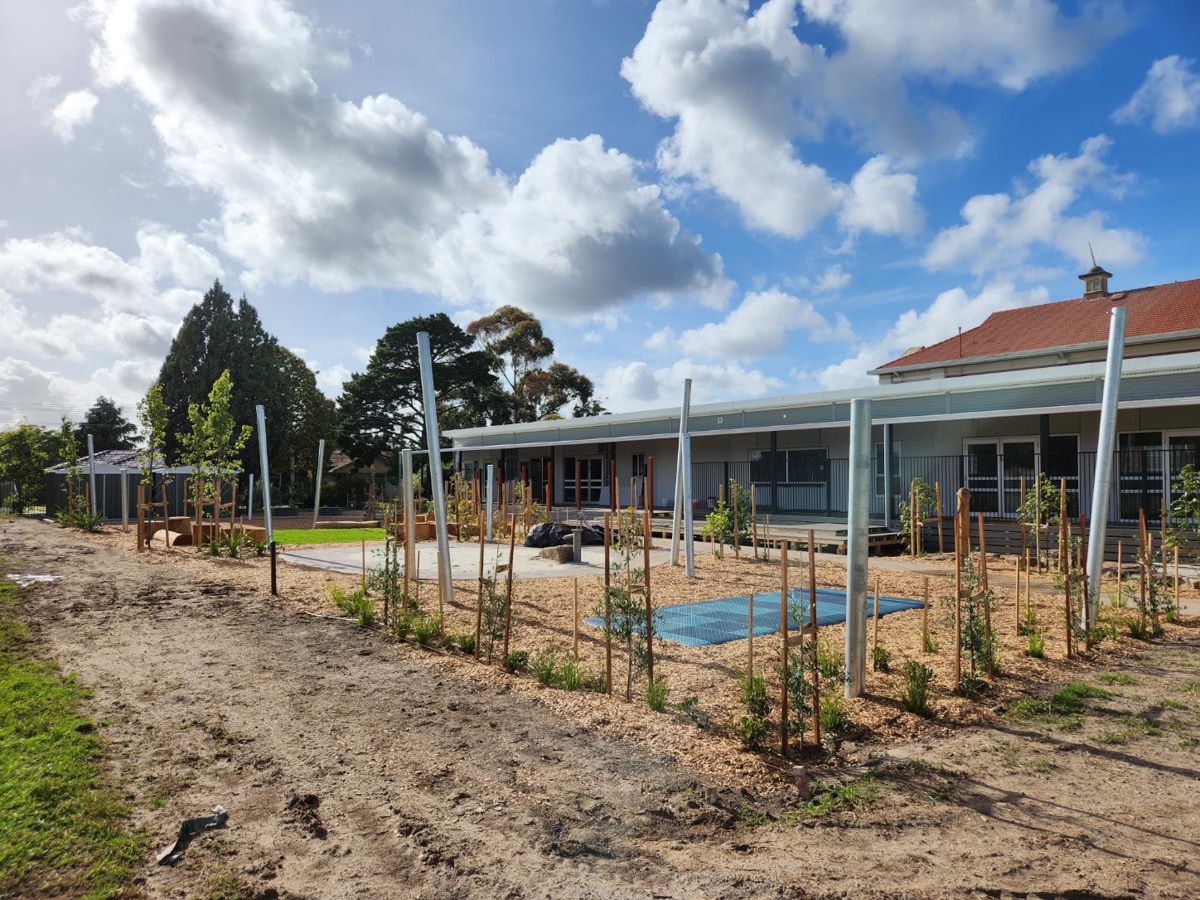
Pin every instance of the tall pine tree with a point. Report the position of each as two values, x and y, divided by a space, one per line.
109 428
219 335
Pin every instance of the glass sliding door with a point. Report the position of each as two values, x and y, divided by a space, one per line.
982 475
1018 461
1140 475
1183 449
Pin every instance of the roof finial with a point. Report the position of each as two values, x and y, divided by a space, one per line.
1093 252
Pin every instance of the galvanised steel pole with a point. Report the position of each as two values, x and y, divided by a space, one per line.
856 547
1105 446
437 489
689 536
491 496
266 483
250 500
320 469
683 417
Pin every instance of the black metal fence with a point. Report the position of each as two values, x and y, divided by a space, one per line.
1142 479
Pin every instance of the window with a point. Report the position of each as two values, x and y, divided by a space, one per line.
760 466
1092 285
877 465
591 478
637 463
806 465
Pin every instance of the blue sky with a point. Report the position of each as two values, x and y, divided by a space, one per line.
766 197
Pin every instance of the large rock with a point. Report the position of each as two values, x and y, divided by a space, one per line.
552 534
564 553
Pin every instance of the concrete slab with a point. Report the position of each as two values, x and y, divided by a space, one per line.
464 560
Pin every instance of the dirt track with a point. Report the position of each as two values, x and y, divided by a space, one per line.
352 767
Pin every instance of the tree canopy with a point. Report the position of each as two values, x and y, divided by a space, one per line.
309 416
110 430
23 460
218 336
381 407
533 386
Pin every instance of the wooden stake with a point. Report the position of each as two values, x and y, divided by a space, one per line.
649 488
925 616
754 520
1067 599
1037 523
607 609
783 647
578 484
875 637
649 607
575 622
1022 529
614 496
937 492
987 607
812 621
1177 580
1017 592
512 541
1064 530
1028 599
962 515
736 540
750 634
479 599
364 566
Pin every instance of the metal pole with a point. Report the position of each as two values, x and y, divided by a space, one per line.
437 489
410 512
266 483
689 538
92 471
491 496
1104 460
683 417
320 469
858 509
124 499
250 500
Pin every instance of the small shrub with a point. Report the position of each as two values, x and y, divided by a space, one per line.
466 642
260 547
355 604
656 693
835 718
1036 645
545 666
915 692
516 662
881 659
751 731
831 663
426 628
689 708
930 645
213 547
754 694
571 676
402 624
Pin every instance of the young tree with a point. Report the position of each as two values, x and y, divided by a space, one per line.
152 419
534 387
213 445
67 450
23 461
110 430
382 406
217 335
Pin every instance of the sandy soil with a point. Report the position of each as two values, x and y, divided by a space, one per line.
355 766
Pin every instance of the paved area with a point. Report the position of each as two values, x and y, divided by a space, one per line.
464 560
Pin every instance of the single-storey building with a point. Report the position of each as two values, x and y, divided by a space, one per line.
994 404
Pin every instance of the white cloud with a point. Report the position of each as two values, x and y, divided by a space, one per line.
1000 230
743 90
882 201
638 385
44 396
833 279
763 324
74 111
347 195
42 87
1169 97
941 319
331 378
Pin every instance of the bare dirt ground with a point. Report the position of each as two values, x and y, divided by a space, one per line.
352 766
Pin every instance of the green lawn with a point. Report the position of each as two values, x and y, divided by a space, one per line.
291 537
62 830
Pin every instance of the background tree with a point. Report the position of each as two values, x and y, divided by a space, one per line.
217 336
533 387
67 451
110 430
309 416
382 406
23 461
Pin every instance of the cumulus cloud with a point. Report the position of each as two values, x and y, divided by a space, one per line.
1169 97
833 279
348 195
949 311
743 89
73 112
639 385
1000 230
763 324
43 396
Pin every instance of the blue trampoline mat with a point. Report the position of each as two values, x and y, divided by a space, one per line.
709 622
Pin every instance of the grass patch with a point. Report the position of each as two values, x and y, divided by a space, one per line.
1169 703
828 799
1063 708
1192 687
1115 678
62 831
291 537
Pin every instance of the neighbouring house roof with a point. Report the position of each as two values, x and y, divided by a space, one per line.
110 462
1156 311
340 461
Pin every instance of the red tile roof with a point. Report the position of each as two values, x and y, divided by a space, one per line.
1160 309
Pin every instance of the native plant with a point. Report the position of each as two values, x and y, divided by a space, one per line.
355 604
914 687
924 506
462 505
720 523
881 659
1040 508
752 727
978 642
1185 507
623 604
